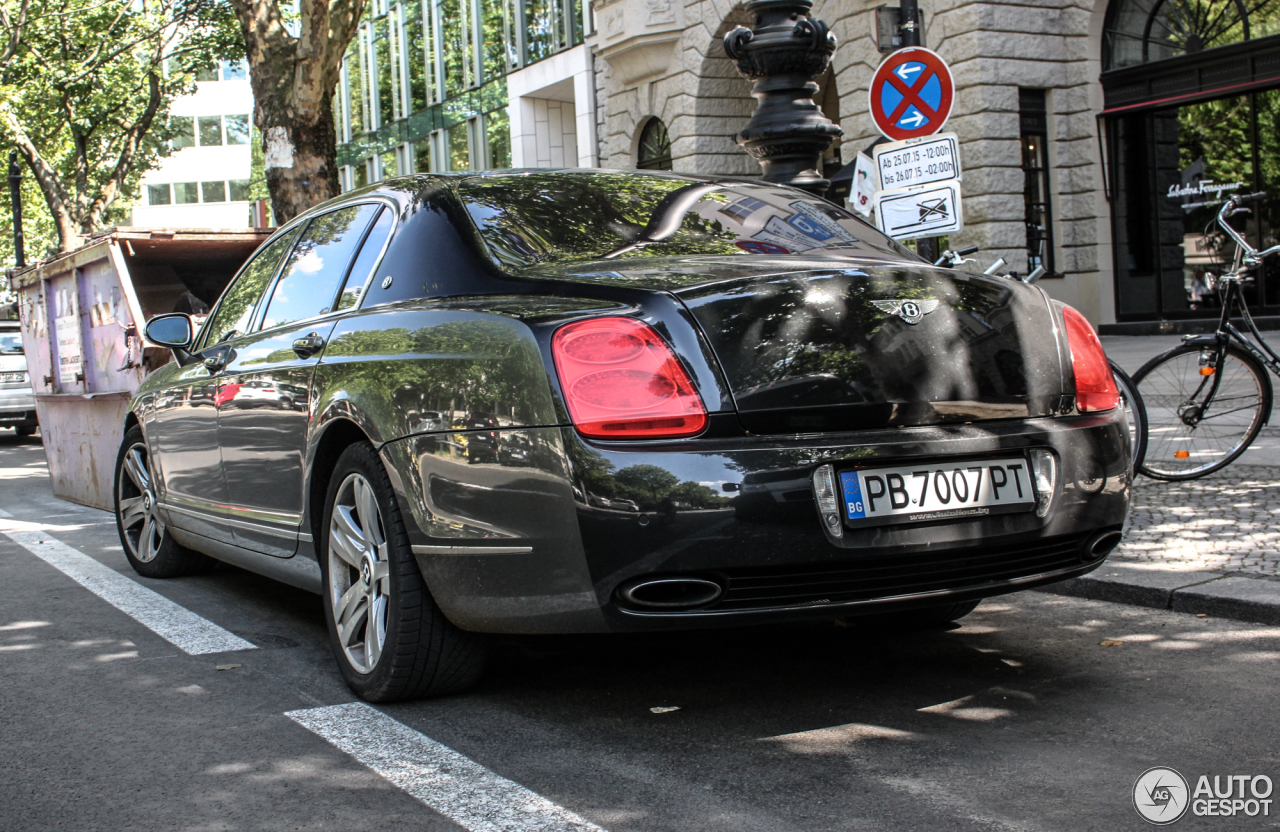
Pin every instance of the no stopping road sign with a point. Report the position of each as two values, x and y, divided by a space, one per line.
911 94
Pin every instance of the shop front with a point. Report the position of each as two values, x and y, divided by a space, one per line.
1192 90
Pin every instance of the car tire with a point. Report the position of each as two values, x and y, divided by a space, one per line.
147 541
25 430
391 640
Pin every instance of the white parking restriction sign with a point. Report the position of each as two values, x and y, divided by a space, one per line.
917 161
924 211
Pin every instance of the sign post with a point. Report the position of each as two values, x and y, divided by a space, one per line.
918 171
911 94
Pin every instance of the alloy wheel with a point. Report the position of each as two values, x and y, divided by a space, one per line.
359 575
139 515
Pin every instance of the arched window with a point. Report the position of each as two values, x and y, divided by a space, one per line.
654 152
1140 31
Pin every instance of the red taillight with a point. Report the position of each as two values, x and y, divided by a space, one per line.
1095 385
621 381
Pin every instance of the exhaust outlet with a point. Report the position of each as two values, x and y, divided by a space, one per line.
1101 545
671 593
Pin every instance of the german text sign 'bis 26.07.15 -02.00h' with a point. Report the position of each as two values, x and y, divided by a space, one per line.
917 161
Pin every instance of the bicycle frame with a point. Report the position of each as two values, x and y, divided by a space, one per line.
1246 257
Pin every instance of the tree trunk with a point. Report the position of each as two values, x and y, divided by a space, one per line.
300 156
293 81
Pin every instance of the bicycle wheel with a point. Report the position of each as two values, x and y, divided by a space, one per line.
1135 412
1187 437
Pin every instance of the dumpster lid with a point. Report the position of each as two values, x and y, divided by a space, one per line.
215 248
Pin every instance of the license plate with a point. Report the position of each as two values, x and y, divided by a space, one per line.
11 377
937 491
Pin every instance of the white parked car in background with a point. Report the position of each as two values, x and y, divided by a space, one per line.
17 400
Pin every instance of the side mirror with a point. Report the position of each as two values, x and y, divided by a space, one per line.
173 331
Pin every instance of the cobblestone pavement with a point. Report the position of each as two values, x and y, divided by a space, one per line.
1228 521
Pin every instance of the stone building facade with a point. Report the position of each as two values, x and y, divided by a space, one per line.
1078 119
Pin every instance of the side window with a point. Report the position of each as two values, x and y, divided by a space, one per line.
367 259
309 283
238 302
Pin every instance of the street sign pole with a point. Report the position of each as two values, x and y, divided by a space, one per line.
927 247
910 28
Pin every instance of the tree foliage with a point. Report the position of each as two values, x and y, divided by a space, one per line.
85 90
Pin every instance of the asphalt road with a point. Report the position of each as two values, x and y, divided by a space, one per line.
1017 720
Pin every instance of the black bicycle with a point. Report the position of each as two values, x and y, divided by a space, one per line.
1208 397
1130 398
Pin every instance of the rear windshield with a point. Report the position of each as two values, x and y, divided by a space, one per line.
565 218
10 342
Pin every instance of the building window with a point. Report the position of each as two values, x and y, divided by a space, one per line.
184 132
237 129
238 190
422 156
186 193
213 191
1035 168
459 147
655 146
210 130
158 195
390 165
497 128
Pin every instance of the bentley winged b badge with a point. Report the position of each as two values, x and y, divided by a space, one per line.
908 310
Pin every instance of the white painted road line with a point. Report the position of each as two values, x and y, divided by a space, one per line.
180 626
454 785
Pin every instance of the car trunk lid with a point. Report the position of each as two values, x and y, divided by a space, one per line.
846 348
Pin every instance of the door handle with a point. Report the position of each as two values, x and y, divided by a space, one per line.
308 345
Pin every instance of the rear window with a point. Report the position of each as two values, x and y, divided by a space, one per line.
565 218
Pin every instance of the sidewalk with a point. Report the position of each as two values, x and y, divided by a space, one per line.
1210 546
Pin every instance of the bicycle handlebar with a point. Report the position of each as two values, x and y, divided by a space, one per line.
1252 255
953 258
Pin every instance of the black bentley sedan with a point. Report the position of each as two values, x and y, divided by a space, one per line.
588 401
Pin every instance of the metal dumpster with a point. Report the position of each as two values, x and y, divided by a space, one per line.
82 314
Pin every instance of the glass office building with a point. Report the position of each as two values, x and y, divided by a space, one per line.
424 84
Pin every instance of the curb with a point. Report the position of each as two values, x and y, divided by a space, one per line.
1216 594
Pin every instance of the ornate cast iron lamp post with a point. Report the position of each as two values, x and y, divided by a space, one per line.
782 54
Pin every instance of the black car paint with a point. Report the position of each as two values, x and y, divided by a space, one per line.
517 546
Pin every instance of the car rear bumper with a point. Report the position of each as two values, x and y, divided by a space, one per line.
523 549
17 411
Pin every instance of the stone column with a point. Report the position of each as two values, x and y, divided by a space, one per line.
782 54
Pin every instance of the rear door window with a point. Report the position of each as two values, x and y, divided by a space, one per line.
308 285
235 312
367 260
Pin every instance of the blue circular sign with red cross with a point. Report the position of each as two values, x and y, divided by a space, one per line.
911 94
